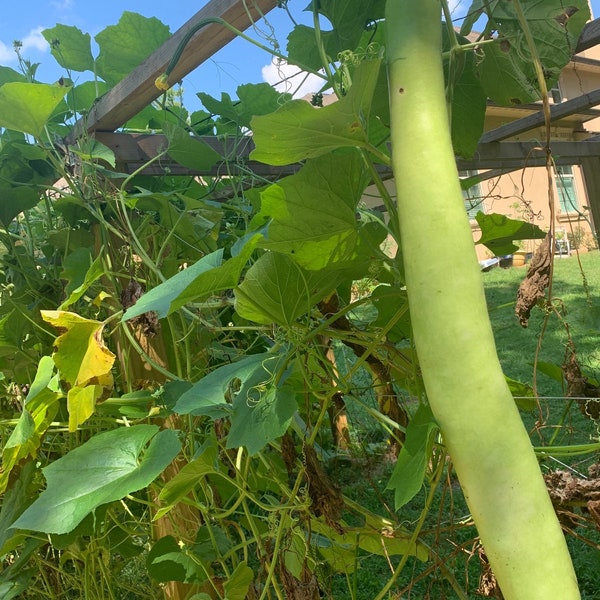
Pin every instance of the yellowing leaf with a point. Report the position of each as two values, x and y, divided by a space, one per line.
79 353
81 402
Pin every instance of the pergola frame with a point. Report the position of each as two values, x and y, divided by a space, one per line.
494 156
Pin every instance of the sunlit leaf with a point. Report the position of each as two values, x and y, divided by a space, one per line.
299 130
27 107
311 215
106 468
126 45
71 48
276 290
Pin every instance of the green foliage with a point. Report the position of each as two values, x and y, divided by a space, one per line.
106 468
191 379
26 107
506 69
126 45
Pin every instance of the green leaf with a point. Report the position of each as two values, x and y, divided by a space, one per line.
204 278
106 468
507 71
409 472
9 75
15 200
523 394
126 45
167 562
312 214
299 130
177 488
71 48
26 107
92 150
499 231
469 101
264 406
208 396
276 290
236 586
80 272
349 20
389 301
189 151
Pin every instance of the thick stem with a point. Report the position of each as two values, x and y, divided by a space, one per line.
481 426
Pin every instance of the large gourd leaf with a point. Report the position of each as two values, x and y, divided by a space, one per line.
127 44
26 107
189 151
276 290
507 71
71 48
264 406
312 214
254 99
104 469
298 130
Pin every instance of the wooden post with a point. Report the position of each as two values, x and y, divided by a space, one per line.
591 175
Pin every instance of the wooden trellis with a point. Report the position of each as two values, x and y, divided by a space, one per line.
494 155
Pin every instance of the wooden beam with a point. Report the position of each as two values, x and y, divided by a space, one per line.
133 151
590 36
557 111
137 90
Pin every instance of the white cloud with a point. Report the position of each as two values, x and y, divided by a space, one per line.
289 78
7 54
62 4
33 41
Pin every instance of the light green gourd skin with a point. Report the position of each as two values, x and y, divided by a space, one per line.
468 394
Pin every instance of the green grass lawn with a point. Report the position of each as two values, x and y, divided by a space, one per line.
578 299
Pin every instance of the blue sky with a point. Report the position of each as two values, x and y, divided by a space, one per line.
238 63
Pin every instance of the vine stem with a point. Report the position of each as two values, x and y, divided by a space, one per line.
162 82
